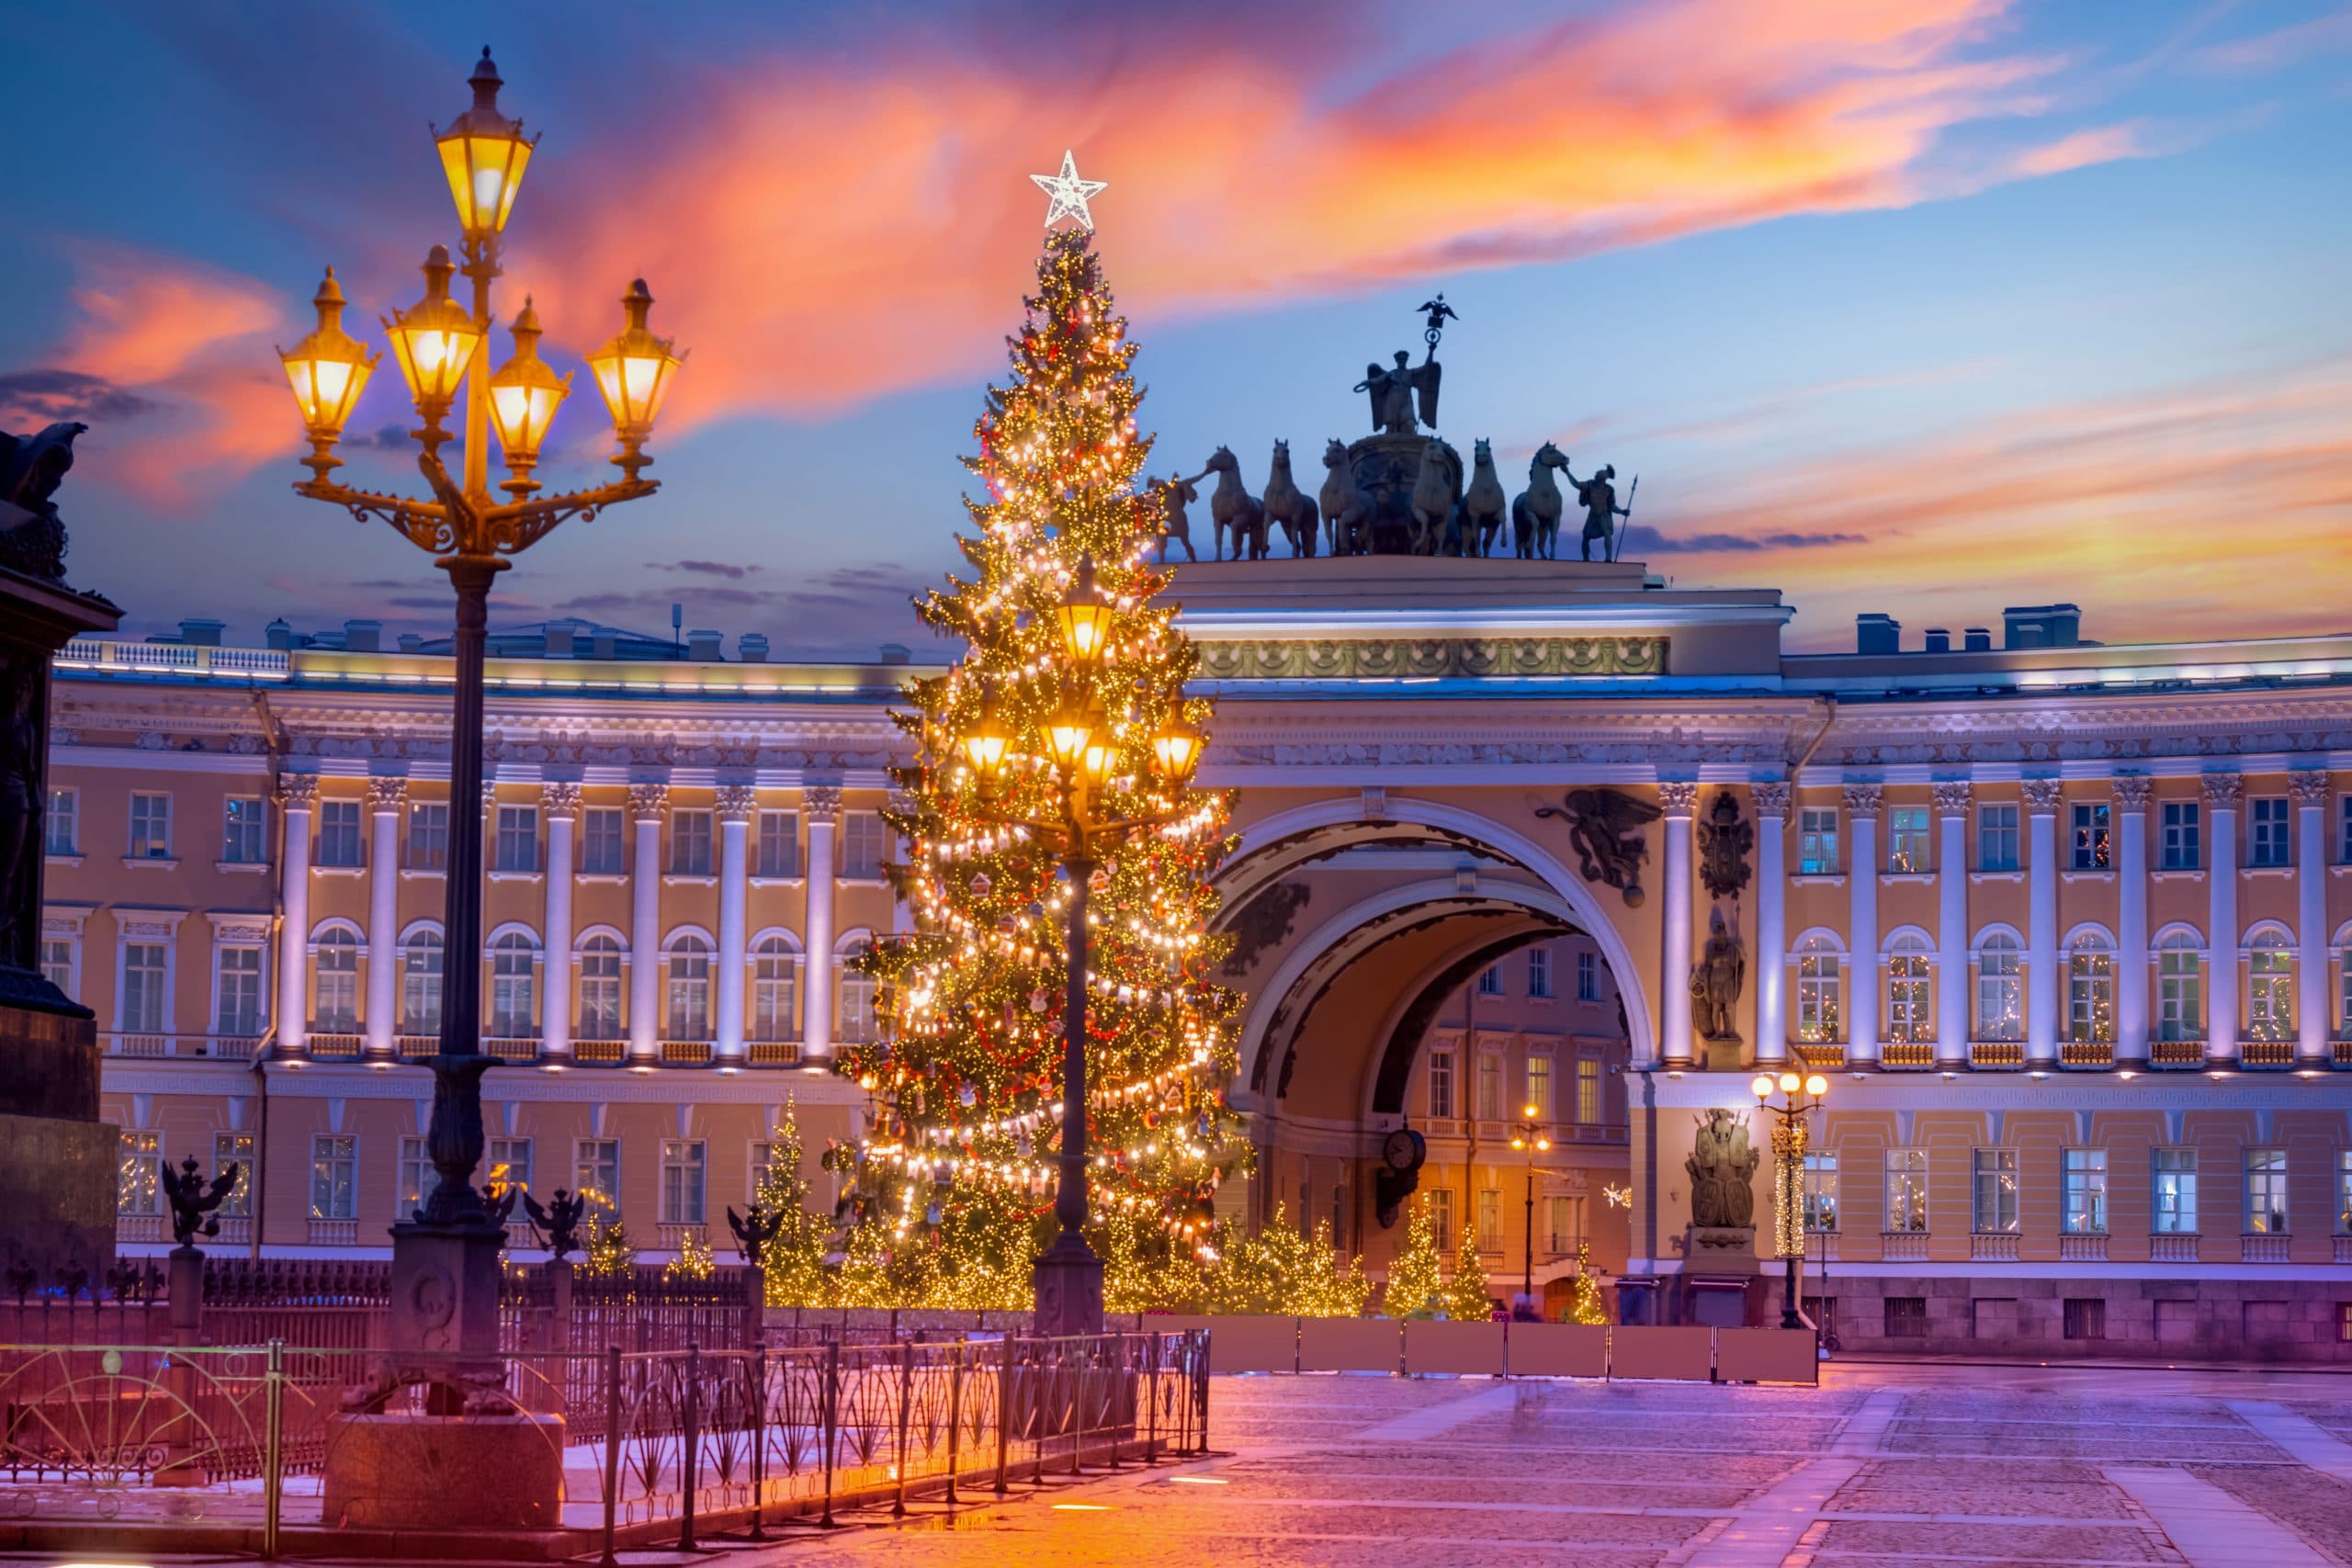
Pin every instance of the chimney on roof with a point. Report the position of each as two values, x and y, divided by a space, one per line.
2042 625
559 636
363 637
1876 633
201 631
702 646
896 653
1976 639
751 648
602 645
412 642
1938 640
279 635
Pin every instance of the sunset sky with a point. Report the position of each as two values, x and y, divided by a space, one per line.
1921 306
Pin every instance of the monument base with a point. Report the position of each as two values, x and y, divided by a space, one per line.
57 1186
1719 1249
1069 1281
443 1472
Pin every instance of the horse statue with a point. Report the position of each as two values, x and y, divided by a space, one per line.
1287 504
1175 527
1347 510
1433 503
1535 512
1483 503
1232 506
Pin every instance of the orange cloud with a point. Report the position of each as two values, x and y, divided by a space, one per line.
2103 145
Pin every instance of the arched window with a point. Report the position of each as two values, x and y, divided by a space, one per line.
1820 992
774 1006
1910 1003
600 988
853 1019
2270 986
336 1009
2180 982
2090 988
2000 989
689 988
511 1013
421 984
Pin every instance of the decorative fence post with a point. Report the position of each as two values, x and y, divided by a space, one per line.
1003 1409
612 1450
831 1412
954 1415
759 1440
693 1440
899 1452
273 1462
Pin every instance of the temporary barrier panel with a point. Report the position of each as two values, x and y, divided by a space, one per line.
1678 1353
1347 1345
1767 1355
1243 1344
1558 1350
1473 1347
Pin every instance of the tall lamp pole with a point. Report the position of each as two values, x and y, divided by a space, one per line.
1083 754
438 343
1799 1095
1529 1136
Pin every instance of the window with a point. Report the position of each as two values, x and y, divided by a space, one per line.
1817 842
2000 989
2265 1191
2086 1191
1906 1318
1539 971
2174 1198
335 1178
690 843
1819 1012
429 836
1588 976
2180 1010
2090 990
1996 1192
1906 1189
418 1178
145 969
235 1148
421 959
1588 1090
1490 980
511 959
1490 1220
779 843
1539 1086
151 826
602 841
1910 1005
2092 845
600 988
1565 1223
864 838
1491 1086
137 1188
518 840
57 963
2269 839
681 1180
2344 1191
597 1169
1442 1085
509 1165
2085 1317
236 986
2180 851
245 829
1820 1190
61 826
690 989
2270 988
1996 838
339 840
1907 837
855 1023
1441 1203
775 1014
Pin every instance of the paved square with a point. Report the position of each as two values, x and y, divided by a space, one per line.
1985 1466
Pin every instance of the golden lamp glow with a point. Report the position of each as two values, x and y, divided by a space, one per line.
1096 761
329 367
525 394
1071 729
1177 747
988 745
433 340
1762 1086
635 369
1790 1083
1086 619
1816 1086
484 153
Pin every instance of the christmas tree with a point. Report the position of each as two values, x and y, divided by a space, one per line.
1465 1292
954 1178
1417 1274
792 1261
1280 1271
1587 1307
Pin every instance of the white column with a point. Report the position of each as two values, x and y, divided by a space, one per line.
1679 799
386 797
560 803
2309 787
902 914
1771 922
1862 920
2223 792
297 797
821 806
2044 986
2131 962
1953 800
646 802
736 804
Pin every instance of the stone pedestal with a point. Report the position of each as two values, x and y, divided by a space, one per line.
1069 1281
443 1473
445 1290
1719 1269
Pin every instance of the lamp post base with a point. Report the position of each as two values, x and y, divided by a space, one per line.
1069 1281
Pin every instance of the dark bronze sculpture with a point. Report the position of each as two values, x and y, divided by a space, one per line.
1288 506
1721 1165
1175 526
1605 829
1724 840
1480 516
1598 499
1716 981
1535 511
1347 509
32 540
755 1227
558 1223
193 1199
1400 394
1264 921
1232 506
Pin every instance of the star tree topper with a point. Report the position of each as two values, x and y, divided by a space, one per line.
1069 193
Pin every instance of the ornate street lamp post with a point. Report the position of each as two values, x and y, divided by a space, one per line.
438 345
1079 759
1529 1136
1800 1095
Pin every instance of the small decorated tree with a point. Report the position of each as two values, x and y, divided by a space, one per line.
792 1261
1587 1307
694 1260
1279 1271
1465 1292
607 1249
1417 1274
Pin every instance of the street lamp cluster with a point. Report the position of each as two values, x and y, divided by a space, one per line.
1531 1138
1799 1094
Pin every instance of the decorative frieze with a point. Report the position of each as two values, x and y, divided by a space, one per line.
1420 659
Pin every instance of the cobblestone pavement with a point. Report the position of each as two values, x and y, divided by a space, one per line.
1985 1466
